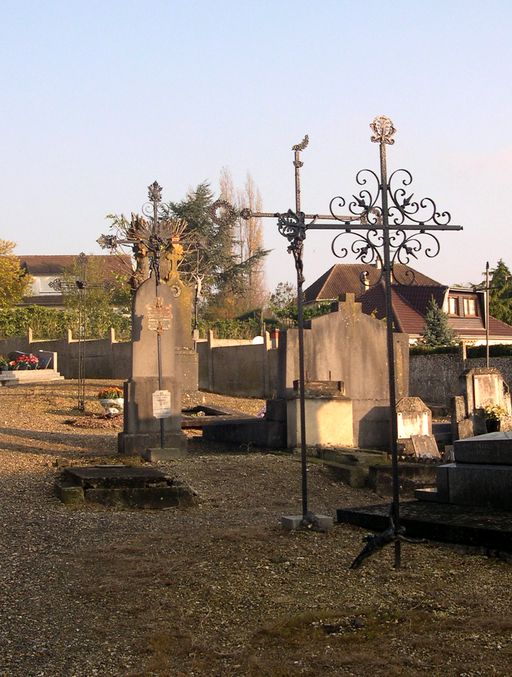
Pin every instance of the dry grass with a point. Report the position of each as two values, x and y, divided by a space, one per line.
219 588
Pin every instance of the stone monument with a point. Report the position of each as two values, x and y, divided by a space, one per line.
153 391
152 394
480 387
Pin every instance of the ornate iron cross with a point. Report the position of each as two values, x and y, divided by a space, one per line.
387 225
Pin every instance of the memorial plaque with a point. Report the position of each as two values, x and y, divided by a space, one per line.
159 315
162 404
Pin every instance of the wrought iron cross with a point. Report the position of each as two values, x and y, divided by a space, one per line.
292 225
387 225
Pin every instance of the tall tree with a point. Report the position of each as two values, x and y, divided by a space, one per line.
210 251
500 299
14 281
437 330
247 240
251 240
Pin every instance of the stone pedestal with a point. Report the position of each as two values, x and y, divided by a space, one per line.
141 429
328 416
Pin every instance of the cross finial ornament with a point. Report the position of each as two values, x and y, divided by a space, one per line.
155 192
383 129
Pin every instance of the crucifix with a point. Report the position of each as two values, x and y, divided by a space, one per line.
387 226
292 225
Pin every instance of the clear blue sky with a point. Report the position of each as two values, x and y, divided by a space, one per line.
101 98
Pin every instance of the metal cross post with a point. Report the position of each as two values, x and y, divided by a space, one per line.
153 239
292 225
79 284
388 224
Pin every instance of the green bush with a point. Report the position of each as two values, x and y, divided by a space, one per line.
499 350
50 323
429 350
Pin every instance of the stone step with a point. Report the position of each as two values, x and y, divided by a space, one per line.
412 476
355 476
352 456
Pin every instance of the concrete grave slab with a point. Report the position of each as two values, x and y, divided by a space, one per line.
122 486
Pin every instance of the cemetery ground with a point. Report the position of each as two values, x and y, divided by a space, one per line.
218 588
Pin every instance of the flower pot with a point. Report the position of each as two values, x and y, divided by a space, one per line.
492 425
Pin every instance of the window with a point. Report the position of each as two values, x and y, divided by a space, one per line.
453 305
470 307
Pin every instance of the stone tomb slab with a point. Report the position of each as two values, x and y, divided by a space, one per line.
473 526
492 448
122 486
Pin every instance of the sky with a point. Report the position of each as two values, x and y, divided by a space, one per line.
100 98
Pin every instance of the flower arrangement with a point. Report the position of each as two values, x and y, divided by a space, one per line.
23 362
494 412
4 362
112 393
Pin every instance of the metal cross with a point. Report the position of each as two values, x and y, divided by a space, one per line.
81 285
389 226
292 225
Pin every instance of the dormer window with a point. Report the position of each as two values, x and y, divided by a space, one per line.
453 305
470 307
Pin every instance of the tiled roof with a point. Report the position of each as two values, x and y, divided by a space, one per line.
348 277
58 264
418 296
405 317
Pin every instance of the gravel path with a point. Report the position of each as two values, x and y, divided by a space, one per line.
218 588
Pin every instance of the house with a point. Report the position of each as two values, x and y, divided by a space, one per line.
411 292
44 269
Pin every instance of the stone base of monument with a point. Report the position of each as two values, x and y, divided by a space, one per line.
141 430
122 486
313 522
164 454
136 444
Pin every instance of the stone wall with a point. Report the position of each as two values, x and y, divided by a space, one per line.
435 378
238 367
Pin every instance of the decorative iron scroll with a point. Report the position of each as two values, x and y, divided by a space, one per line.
403 214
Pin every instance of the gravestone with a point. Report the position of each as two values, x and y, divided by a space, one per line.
414 427
349 346
153 322
480 387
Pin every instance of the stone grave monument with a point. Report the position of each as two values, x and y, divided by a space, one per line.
414 426
152 394
152 412
480 387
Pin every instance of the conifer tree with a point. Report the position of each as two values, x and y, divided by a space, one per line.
437 331
500 302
